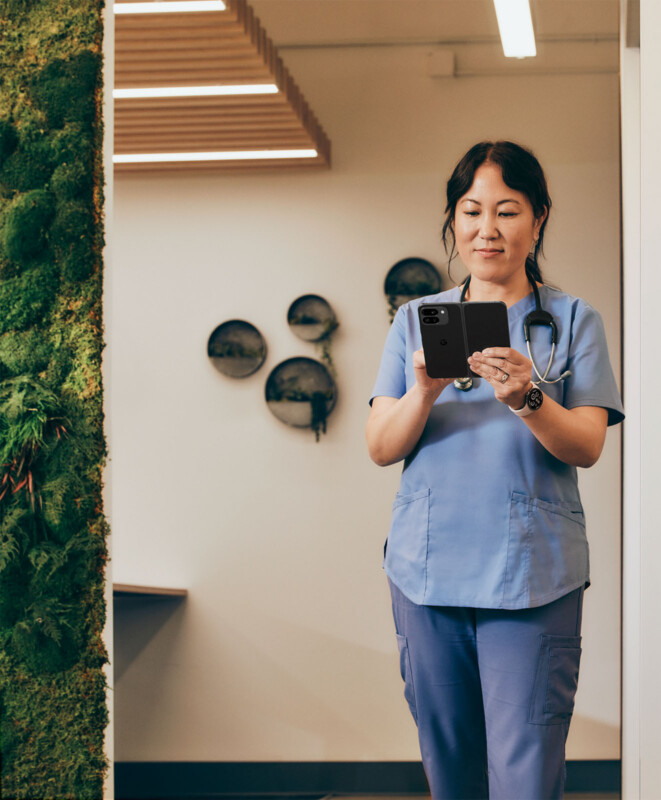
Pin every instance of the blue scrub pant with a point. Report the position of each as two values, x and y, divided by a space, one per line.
492 694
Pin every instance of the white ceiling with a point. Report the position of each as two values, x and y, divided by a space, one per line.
458 37
326 22
573 36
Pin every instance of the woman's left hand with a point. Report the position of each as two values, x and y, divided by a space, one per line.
506 370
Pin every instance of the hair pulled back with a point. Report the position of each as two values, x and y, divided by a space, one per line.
521 172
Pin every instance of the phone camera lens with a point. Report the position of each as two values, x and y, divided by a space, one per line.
430 312
430 320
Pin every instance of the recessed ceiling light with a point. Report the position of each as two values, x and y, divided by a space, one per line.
515 26
195 91
223 155
174 6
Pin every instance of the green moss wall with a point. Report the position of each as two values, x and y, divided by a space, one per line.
52 529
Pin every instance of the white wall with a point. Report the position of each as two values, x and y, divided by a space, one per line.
632 702
641 165
649 388
285 648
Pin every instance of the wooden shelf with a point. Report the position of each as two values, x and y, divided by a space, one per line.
136 590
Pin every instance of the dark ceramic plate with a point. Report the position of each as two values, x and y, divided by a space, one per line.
236 348
301 392
311 318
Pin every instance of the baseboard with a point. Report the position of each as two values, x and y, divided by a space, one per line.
197 780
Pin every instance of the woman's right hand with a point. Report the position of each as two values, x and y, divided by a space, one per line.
431 387
395 425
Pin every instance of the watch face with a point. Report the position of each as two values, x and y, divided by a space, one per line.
534 398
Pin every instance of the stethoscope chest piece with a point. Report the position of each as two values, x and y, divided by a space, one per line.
463 384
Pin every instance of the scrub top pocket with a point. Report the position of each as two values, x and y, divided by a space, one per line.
556 680
547 552
406 553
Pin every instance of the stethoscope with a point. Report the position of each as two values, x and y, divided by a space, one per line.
536 317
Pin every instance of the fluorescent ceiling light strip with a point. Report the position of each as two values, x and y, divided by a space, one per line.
169 7
515 26
195 91
223 155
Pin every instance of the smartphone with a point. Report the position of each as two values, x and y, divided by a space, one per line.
451 332
486 326
443 340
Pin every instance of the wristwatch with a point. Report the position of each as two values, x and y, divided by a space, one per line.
532 401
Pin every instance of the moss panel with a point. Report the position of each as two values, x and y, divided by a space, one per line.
53 711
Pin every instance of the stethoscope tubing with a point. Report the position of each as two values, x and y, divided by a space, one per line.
537 317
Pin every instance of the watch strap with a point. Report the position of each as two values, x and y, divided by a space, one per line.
524 411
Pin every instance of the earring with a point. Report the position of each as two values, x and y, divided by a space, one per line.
533 247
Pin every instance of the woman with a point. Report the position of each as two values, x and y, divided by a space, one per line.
487 557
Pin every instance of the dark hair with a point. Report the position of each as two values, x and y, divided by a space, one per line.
521 172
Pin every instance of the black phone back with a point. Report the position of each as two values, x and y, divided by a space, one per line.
451 332
443 341
486 326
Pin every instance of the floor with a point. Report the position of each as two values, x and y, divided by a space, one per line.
568 796
301 796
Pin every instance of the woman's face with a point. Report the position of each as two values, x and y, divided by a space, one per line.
494 227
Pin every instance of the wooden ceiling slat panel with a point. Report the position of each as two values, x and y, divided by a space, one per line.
137 57
141 133
234 147
205 49
261 104
139 136
233 166
139 140
158 128
226 168
175 145
146 129
202 59
124 109
217 121
199 123
230 100
226 36
186 38
196 145
150 24
148 76
154 78
199 79
137 43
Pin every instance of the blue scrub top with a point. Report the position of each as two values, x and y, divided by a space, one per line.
485 516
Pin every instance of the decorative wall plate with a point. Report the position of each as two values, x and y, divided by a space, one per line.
236 348
311 318
410 278
301 392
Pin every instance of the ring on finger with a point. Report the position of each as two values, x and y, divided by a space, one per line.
505 377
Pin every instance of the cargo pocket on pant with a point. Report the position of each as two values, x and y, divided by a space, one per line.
556 680
407 676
